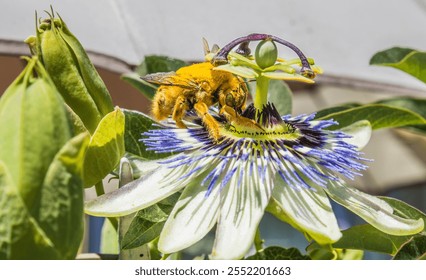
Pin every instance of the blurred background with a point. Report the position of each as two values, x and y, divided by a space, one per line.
341 36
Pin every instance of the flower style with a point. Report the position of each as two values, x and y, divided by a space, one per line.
292 165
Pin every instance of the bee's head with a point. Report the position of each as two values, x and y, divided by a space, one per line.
235 97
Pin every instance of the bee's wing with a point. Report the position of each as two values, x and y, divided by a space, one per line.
169 79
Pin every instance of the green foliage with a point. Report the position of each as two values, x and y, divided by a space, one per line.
136 124
40 171
105 149
280 94
413 249
379 115
278 253
148 223
318 252
366 237
408 60
151 64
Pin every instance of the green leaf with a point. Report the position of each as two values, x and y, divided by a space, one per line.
416 105
136 124
408 60
105 149
280 94
379 115
413 249
148 223
158 63
278 253
144 87
322 114
151 64
367 237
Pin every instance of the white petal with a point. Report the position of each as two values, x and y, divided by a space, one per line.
309 211
360 132
240 214
140 193
142 167
193 216
375 211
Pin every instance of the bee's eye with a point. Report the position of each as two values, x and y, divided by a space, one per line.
241 101
230 101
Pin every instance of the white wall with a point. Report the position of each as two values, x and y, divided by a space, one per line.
340 35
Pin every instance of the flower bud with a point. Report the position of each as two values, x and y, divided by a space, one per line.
40 171
266 54
72 72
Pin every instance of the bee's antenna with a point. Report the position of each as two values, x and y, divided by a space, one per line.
206 46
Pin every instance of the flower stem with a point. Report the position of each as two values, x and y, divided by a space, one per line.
99 187
261 95
258 241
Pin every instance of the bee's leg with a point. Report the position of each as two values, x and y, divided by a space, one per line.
179 111
211 124
232 117
228 113
159 110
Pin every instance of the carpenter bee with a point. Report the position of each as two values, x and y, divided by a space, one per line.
198 87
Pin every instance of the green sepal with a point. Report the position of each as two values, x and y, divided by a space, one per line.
105 149
55 229
318 252
42 197
95 85
33 128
